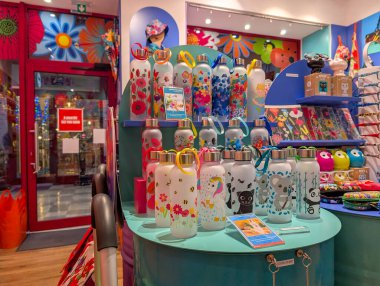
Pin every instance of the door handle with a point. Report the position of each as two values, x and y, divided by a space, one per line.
36 164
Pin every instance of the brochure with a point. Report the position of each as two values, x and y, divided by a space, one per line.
174 101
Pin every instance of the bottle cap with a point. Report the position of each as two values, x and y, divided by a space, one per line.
186 159
307 153
292 152
141 53
279 154
234 122
184 123
258 64
213 156
228 154
223 60
202 58
153 155
151 123
259 123
167 157
205 121
179 58
239 62
243 156
162 55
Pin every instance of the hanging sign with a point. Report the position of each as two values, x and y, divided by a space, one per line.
70 120
80 7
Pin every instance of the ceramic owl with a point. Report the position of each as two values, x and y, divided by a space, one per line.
325 161
356 156
341 160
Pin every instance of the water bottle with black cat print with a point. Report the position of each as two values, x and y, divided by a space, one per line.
227 163
242 183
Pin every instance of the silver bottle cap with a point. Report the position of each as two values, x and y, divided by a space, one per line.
184 123
186 159
291 152
223 60
234 122
259 123
179 58
202 58
243 156
279 154
213 156
153 155
205 121
307 153
228 154
141 53
258 64
167 157
239 62
151 123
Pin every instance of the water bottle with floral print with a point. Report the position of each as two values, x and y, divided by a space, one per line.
150 183
140 100
151 140
185 134
162 191
221 90
162 76
202 89
259 134
183 77
238 98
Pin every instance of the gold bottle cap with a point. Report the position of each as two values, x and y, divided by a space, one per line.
202 58
151 123
205 121
213 156
307 153
259 123
141 53
162 55
184 123
228 154
292 152
223 60
153 155
243 156
234 122
258 64
167 157
279 154
186 159
239 62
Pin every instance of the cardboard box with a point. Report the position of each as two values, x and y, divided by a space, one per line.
359 173
341 85
317 84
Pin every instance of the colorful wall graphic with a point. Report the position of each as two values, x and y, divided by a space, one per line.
9 33
64 37
274 53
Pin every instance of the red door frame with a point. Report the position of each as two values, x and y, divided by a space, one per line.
51 67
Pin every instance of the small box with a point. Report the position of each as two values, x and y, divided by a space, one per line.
317 84
341 85
360 173
140 195
342 176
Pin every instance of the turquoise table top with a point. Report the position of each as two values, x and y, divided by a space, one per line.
230 240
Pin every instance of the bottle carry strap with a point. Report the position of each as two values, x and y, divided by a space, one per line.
187 58
211 120
246 133
265 156
178 160
267 124
217 60
195 132
251 66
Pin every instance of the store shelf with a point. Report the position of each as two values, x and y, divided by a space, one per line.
174 123
320 143
326 100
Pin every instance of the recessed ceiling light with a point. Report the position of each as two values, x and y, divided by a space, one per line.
208 21
52 15
283 32
210 11
270 20
229 15
47 1
247 27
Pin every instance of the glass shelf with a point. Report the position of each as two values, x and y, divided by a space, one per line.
320 143
326 100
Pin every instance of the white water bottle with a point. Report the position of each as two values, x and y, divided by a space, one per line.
279 175
259 134
207 136
221 90
151 140
238 98
162 191
183 77
261 184
256 91
184 136
183 197
212 208
150 182
242 183
291 159
234 134
202 88
227 163
307 177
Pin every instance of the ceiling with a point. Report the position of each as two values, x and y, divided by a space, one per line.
236 22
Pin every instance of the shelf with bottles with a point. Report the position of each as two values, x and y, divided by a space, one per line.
326 100
321 143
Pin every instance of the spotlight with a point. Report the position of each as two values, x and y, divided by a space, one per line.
283 32
247 27
208 21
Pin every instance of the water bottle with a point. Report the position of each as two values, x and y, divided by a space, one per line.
208 136
184 135
212 208
227 163
259 134
242 183
307 178
162 191
183 197
140 100
238 98
150 182
151 140
261 184
234 134
280 201
202 89
183 77
291 159
256 90
162 76
221 91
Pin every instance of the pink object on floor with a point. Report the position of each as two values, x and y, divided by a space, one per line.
140 195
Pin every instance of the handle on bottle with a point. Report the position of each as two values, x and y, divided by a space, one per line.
192 127
187 58
178 160
255 151
217 60
246 133
251 66
211 120
267 124
164 61
265 156
134 53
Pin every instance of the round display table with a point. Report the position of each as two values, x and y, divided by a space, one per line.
357 250
225 258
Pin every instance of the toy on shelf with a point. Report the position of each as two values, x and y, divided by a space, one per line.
356 156
341 85
341 160
317 83
325 161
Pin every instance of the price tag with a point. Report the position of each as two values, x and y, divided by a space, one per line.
283 263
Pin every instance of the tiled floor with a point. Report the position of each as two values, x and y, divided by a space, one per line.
63 201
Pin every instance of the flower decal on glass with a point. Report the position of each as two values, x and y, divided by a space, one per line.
60 41
237 45
9 33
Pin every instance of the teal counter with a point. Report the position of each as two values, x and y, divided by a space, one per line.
225 258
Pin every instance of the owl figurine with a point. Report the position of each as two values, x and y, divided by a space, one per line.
341 160
340 177
356 156
325 161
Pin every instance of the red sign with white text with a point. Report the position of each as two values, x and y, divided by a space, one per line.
70 120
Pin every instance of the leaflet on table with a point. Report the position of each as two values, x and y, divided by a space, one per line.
255 231
174 101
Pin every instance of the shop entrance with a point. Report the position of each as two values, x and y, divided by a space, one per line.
66 121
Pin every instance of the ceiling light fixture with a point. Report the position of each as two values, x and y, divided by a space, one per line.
270 20
290 24
47 1
247 27
229 15
283 32
210 11
208 21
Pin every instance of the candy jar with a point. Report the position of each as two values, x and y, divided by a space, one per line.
227 163
234 134
242 183
140 100
150 183
162 191
307 176
183 196
151 140
238 98
208 136
183 77
280 183
212 208
202 75
162 76
256 90
259 134
184 135
291 160
221 90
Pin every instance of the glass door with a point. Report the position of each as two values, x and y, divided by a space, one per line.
68 139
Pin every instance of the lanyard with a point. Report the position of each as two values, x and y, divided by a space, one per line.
178 159
217 60
134 53
211 120
246 133
187 58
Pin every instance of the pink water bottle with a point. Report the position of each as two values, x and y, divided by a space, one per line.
151 140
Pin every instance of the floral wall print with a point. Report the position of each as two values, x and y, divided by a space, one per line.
9 33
